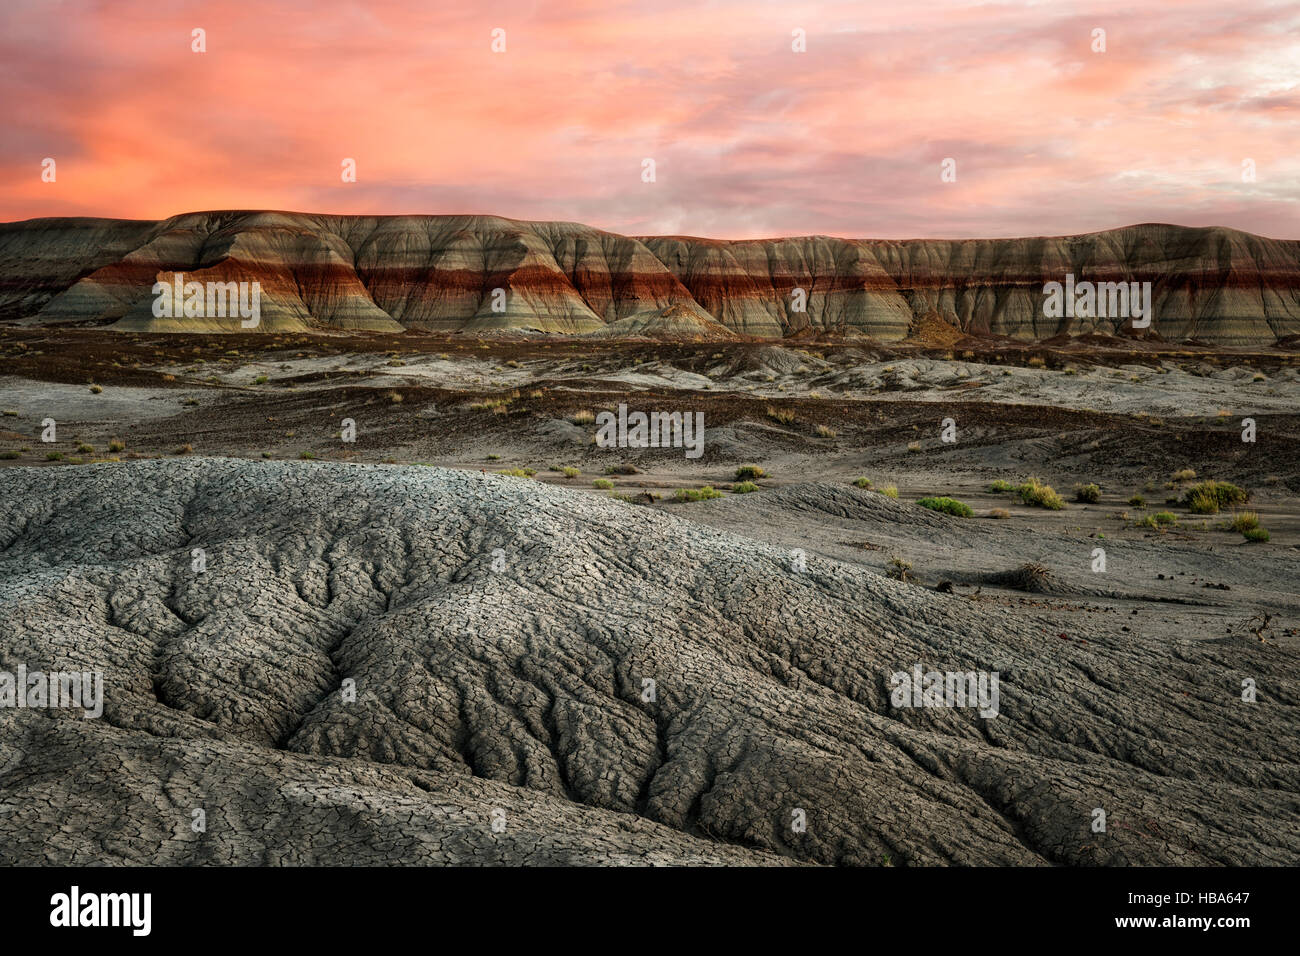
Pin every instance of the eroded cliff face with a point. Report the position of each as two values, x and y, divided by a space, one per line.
439 273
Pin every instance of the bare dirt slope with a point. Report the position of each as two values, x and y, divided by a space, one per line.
500 634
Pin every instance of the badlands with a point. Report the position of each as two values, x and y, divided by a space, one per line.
363 587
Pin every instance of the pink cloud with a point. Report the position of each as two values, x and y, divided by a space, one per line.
749 138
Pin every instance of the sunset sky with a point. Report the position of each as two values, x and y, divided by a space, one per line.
750 139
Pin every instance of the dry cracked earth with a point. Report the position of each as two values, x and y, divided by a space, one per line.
410 665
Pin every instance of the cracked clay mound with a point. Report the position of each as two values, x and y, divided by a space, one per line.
500 634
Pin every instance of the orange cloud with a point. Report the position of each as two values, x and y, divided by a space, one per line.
749 138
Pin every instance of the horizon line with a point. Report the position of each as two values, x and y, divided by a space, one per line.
628 235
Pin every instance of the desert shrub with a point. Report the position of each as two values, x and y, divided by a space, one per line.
10 413
890 491
306 455
825 431
1089 493
1001 486
604 484
783 415
1210 497
999 513
913 447
570 472
1038 495
85 449
1036 362
54 456
1243 521
744 487
185 449
584 417
1187 474
395 397
1160 520
862 483
948 506
697 494
622 470
116 444
899 569
260 380
519 472
1259 535
749 473
96 389
1137 501
9 455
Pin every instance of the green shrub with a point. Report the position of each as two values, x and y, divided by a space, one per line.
890 491
54 456
604 484
570 472
116 444
948 506
697 494
1089 494
744 487
863 483
1210 497
306 455
1159 520
1187 474
1137 501
1038 495
1256 534
749 473
9 455
1243 521
1000 487
519 472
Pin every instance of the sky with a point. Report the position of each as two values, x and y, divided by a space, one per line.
749 138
